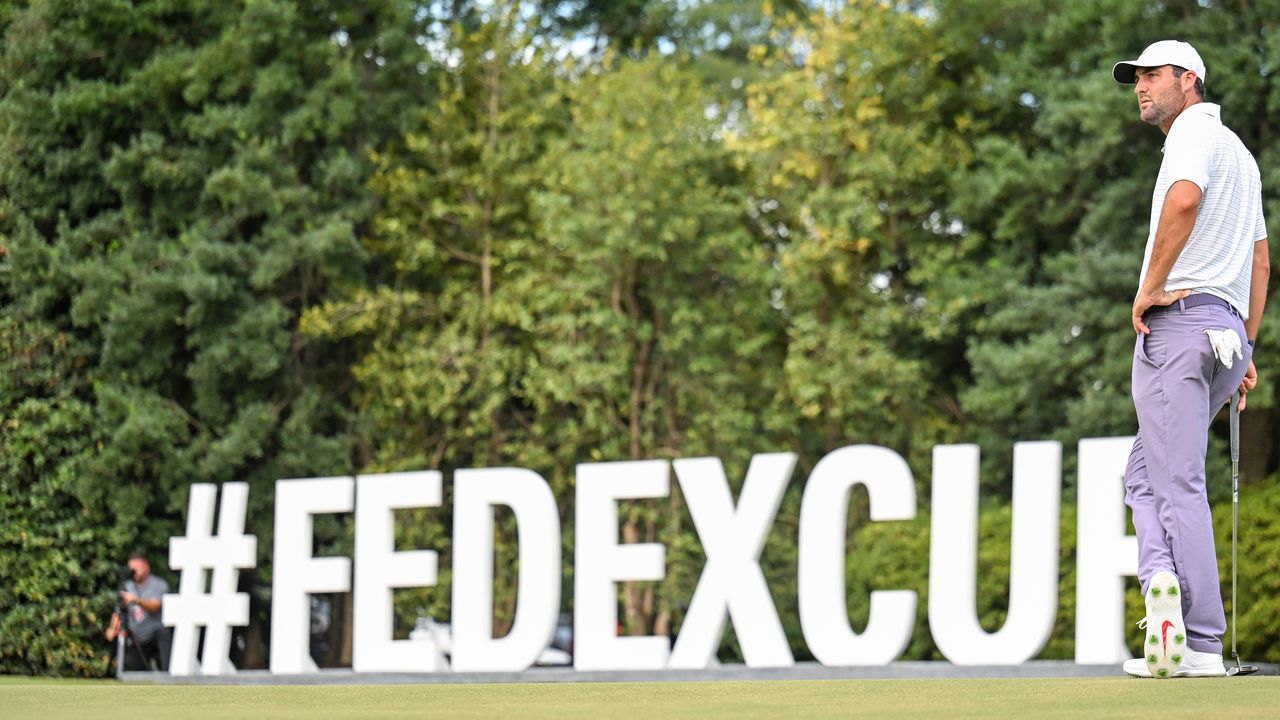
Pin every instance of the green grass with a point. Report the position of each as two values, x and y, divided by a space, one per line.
1237 698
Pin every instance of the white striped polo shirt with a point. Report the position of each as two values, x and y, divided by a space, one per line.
1218 257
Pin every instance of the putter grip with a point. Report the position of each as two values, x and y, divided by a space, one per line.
1235 428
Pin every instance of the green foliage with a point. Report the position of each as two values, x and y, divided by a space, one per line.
1257 612
261 240
1056 205
895 556
180 181
850 143
51 543
443 326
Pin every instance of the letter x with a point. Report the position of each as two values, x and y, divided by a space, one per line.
732 580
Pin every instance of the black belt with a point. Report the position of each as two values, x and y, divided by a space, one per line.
1193 301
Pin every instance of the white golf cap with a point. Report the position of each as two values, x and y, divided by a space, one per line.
1165 52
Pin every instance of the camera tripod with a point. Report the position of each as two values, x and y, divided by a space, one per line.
124 634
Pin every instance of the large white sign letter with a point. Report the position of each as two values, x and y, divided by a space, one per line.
600 563
296 573
824 512
1105 553
953 555
379 568
223 555
732 579
475 493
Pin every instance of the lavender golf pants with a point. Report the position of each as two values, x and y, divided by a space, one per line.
1178 386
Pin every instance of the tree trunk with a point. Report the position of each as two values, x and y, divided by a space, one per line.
635 620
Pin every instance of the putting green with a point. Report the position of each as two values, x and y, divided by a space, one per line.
1250 697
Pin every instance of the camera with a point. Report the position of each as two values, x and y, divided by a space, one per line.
124 574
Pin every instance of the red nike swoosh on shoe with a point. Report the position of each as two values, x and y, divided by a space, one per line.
1164 638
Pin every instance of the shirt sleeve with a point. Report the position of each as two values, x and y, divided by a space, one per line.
1260 225
1188 155
156 589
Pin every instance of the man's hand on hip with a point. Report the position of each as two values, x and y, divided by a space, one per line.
1148 299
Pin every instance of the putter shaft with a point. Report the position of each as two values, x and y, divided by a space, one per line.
1239 668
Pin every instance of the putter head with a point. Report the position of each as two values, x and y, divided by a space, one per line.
1235 670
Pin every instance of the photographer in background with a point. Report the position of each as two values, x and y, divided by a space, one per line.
141 595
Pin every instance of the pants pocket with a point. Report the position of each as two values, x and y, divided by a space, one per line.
1152 349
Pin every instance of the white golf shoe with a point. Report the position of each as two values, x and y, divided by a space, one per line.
1194 664
1164 639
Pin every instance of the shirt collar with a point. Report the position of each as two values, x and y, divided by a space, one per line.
1207 109
1200 109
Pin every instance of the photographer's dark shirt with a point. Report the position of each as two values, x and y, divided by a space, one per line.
146 625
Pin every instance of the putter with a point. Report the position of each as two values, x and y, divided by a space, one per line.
1237 669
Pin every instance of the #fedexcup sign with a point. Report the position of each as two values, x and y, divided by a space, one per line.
731 587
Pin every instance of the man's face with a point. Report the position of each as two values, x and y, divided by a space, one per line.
1160 95
140 569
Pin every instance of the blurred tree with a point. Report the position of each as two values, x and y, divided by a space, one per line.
654 333
54 554
1055 207
444 320
625 25
558 231
851 141
180 181
525 317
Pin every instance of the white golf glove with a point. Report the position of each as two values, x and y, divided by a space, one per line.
1226 343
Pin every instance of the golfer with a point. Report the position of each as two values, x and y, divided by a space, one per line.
1199 302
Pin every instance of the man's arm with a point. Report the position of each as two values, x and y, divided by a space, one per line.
151 605
1258 287
1177 219
1260 276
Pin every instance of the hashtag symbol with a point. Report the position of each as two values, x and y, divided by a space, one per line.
223 555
